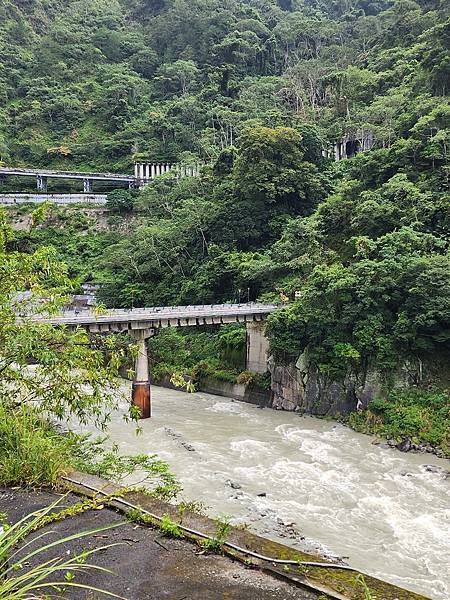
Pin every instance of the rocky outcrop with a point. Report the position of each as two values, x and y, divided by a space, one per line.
304 388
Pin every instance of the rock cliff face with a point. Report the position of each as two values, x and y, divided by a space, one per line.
302 387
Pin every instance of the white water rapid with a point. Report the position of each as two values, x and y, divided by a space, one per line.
310 483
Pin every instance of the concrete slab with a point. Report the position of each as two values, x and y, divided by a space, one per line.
146 565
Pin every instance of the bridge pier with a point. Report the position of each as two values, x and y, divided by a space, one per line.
141 394
257 347
42 184
88 186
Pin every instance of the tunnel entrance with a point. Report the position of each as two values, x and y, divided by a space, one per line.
352 147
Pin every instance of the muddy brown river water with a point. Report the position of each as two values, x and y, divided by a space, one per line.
310 483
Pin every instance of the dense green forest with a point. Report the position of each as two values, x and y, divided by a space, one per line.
257 91
94 83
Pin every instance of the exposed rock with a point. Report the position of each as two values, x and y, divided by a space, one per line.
436 469
303 388
188 447
172 433
177 436
404 446
233 484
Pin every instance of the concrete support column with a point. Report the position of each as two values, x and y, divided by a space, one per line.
136 170
141 395
42 184
257 347
88 186
337 153
141 172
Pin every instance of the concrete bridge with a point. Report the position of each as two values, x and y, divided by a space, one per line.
144 172
43 175
142 323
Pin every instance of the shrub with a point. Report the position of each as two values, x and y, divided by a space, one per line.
34 454
422 417
121 201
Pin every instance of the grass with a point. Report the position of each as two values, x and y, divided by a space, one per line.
32 453
23 577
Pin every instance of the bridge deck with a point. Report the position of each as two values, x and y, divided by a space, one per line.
156 317
19 172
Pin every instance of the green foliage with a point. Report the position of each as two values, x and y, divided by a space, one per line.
215 544
258 92
32 453
388 302
360 581
51 372
121 201
179 348
74 236
40 363
190 76
232 340
270 168
93 456
170 528
422 417
232 336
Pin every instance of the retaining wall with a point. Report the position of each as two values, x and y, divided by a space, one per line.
62 199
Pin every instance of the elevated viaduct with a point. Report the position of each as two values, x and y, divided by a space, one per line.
144 172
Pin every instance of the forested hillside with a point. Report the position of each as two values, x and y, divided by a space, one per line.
93 83
257 91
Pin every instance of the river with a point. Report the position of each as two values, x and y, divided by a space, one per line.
310 483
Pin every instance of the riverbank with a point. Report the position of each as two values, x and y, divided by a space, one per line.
310 485
145 564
